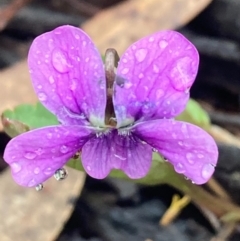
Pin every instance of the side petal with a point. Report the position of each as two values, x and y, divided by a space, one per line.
68 75
191 150
153 78
35 155
113 151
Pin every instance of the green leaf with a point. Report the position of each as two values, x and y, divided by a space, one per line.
25 117
195 114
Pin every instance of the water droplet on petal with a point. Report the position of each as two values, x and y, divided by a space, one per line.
141 75
48 171
60 61
180 143
49 135
16 167
207 171
154 149
77 36
190 158
89 168
36 170
39 187
73 85
141 54
60 174
84 43
124 60
182 74
51 80
179 168
39 151
39 86
163 44
87 59
125 71
64 149
30 155
32 183
155 69
200 156
42 97
151 39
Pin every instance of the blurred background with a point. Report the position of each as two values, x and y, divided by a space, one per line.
112 209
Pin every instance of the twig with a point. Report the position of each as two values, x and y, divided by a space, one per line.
218 189
9 12
225 232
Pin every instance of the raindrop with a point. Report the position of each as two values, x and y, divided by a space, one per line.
48 171
16 167
180 143
39 86
124 60
73 84
77 36
51 80
141 75
32 183
30 155
84 43
36 170
154 149
60 61
190 157
39 62
141 54
39 187
87 59
119 81
155 69
163 44
207 170
179 168
60 174
42 97
200 156
64 149
49 135
125 71
151 39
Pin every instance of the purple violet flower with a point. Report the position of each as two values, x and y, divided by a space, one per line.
151 87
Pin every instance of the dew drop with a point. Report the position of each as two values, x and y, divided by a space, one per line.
39 151
207 171
36 170
39 187
49 135
159 93
179 168
154 149
39 86
124 60
87 59
190 157
16 167
180 143
60 61
39 62
73 84
151 39
64 149
32 183
30 155
141 75
42 97
84 43
200 156
155 69
125 71
60 174
51 80
182 74
163 44
77 36
141 54
89 168
48 171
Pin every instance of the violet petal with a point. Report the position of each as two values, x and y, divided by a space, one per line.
191 150
68 75
156 73
35 155
114 151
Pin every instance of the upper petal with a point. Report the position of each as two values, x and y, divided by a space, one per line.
35 155
154 76
114 151
68 75
191 150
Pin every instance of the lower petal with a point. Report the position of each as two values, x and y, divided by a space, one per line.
191 150
114 151
35 155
